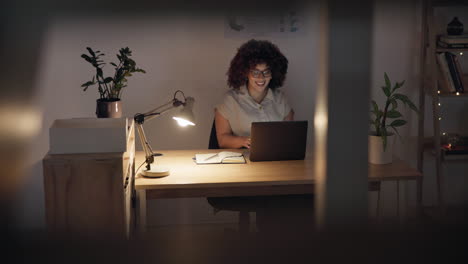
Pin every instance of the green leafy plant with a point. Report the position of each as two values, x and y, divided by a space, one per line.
380 121
110 88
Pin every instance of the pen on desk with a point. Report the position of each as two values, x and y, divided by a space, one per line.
215 155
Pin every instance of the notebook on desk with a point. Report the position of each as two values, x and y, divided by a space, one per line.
279 140
223 157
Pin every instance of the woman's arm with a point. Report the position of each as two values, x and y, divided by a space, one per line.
290 116
224 134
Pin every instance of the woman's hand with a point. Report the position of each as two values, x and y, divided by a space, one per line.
244 141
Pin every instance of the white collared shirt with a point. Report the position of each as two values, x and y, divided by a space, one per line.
240 109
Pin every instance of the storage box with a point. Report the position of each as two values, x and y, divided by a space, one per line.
88 135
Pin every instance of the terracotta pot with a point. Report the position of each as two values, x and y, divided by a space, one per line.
108 109
377 155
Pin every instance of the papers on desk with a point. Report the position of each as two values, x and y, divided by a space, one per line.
220 158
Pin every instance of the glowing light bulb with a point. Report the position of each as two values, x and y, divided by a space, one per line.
438 92
461 53
439 104
440 118
182 122
443 134
457 93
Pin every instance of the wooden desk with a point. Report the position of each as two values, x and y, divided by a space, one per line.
187 179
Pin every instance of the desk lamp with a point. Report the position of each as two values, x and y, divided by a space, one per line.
184 118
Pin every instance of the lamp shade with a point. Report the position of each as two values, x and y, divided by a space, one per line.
185 116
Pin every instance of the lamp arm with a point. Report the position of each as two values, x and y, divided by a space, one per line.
172 104
149 157
155 110
141 118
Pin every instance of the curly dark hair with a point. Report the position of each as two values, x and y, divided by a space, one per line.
255 52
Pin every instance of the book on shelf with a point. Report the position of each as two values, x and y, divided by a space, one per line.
453 71
447 84
442 44
460 73
454 39
223 157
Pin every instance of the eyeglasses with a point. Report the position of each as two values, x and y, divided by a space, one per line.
257 73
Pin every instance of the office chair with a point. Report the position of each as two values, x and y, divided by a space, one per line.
243 205
246 204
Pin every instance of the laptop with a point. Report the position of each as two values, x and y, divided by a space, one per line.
278 140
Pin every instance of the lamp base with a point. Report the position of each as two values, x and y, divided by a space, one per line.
155 172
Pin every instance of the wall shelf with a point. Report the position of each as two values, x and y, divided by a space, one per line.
430 82
452 95
451 50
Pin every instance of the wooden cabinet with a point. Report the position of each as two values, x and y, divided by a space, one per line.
91 194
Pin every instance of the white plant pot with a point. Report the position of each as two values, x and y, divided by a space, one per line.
377 155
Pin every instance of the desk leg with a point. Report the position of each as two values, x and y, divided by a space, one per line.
141 222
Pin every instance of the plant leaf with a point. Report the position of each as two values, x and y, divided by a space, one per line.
403 98
412 106
401 84
398 85
108 80
394 103
393 114
87 58
387 80
379 114
396 132
406 101
376 107
386 91
91 51
86 84
398 123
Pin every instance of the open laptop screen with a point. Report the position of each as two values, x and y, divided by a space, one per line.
278 140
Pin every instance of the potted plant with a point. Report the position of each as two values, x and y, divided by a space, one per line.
110 88
386 121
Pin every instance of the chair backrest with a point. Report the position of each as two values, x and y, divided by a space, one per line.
213 143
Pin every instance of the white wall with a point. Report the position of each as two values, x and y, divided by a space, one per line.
192 53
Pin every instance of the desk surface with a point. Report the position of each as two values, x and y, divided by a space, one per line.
187 179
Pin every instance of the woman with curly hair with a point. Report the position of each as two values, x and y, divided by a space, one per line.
255 75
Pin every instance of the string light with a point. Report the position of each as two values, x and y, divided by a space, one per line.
457 93
461 53
443 134
439 104
440 118
438 91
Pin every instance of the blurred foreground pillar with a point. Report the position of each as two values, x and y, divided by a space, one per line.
341 116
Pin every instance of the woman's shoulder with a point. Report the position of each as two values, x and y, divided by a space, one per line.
233 94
